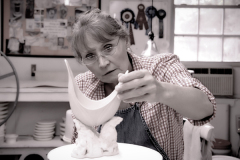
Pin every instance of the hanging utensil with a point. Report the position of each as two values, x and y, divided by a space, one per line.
127 17
150 13
161 14
141 19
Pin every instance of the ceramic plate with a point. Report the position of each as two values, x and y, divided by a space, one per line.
62 129
62 124
44 126
3 108
43 139
2 117
45 129
3 112
43 133
3 104
47 122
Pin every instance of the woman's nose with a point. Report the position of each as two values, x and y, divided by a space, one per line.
103 61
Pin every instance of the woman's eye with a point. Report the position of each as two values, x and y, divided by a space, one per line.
90 56
108 48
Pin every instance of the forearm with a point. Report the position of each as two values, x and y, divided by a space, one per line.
188 101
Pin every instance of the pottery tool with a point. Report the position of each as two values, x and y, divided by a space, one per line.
161 14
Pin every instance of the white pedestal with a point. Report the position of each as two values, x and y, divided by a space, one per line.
126 152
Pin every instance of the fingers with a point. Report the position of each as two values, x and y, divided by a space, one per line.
142 98
131 76
144 93
137 86
134 80
134 84
120 74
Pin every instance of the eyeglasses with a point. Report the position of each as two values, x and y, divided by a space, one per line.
108 51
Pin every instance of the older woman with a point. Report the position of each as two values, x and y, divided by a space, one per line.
156 93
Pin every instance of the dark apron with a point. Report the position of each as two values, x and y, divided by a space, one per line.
134 130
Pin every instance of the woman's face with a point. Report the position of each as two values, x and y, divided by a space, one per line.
108 68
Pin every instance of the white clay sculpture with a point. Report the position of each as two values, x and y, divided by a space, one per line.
91 144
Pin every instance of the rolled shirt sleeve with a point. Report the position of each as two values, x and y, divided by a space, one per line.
179 75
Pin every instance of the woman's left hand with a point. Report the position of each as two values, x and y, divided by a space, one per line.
138 86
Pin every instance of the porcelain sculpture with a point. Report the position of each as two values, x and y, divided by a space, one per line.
90 112
91 144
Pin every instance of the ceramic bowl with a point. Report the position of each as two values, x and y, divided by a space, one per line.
11 138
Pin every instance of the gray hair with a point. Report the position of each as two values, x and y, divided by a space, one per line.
97 24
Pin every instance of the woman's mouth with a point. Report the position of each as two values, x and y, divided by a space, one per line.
109 72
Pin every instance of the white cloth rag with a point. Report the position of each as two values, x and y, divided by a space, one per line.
197 141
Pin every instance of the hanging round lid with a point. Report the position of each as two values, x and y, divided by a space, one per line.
221 144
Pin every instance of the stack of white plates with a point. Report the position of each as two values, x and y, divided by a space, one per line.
62 127
3 111
2 133
44 130
3 115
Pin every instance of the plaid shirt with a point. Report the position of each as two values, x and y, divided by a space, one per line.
165 124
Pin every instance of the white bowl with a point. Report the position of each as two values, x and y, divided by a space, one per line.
11 138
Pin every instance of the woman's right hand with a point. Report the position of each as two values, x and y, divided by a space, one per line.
138 86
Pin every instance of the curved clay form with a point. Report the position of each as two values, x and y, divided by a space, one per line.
90 112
